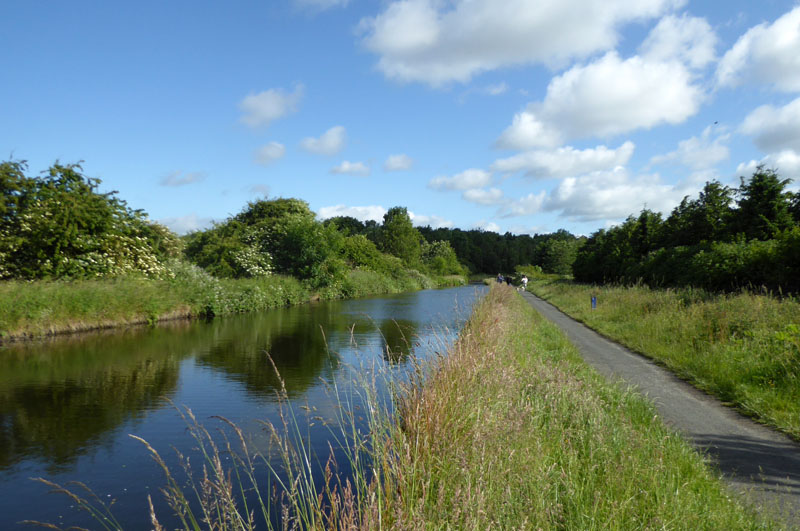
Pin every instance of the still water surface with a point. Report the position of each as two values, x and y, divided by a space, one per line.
68 405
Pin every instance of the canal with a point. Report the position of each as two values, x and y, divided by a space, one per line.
68 405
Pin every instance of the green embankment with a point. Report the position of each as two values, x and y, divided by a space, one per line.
38 308
743 348
511 429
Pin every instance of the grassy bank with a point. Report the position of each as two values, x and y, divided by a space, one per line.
40 308
743 348
508 429
513 430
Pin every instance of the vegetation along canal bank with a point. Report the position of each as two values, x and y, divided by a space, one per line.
99 263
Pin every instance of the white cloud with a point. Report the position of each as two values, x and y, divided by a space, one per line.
565 161
265 107
528 131
351 168
786 163
607 97
687 39
399 162
496 90
697 153
435 222
179 178
774 128
268 154
188 223
486 226
471 178
766 54
437 42
525 206
361 213
330 143
259 189
611 195
492 196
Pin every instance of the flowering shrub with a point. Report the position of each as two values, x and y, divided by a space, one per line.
59 226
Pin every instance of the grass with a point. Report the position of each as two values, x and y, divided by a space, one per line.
507 429
743 348
512 430
41 308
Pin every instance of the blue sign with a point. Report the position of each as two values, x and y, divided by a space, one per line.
594 302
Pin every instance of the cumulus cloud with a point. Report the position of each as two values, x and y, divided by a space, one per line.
471 178
611 195
351 168
786 163
361 213
525 206
185 224
438 42
698 153
268 154
435 222
565 161
399 162
265 107
606 97
687 39
491 196
766 54
179 178
774 128
330 143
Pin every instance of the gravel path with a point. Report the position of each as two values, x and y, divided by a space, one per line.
762 464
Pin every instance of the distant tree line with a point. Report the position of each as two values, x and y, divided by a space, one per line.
484 251
725 239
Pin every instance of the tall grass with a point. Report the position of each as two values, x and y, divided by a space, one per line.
512 430
39 308
743 348
507 429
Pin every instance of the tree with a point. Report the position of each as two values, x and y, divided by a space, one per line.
399 237
764 205
59 225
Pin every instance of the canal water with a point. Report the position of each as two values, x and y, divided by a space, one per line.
68 405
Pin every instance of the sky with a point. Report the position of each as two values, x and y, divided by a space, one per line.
521 116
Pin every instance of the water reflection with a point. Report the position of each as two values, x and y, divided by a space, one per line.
64 402
59 400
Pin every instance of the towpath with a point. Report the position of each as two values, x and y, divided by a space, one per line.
762 464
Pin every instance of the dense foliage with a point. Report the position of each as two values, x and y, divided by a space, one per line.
726 239
283 236
59 226
480 251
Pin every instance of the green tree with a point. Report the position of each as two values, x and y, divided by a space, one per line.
399 237
59 225
764 205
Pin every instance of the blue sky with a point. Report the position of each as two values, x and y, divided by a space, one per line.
516 115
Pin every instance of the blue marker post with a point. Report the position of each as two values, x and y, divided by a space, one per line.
594 302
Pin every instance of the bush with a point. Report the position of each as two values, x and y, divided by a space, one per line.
60 226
